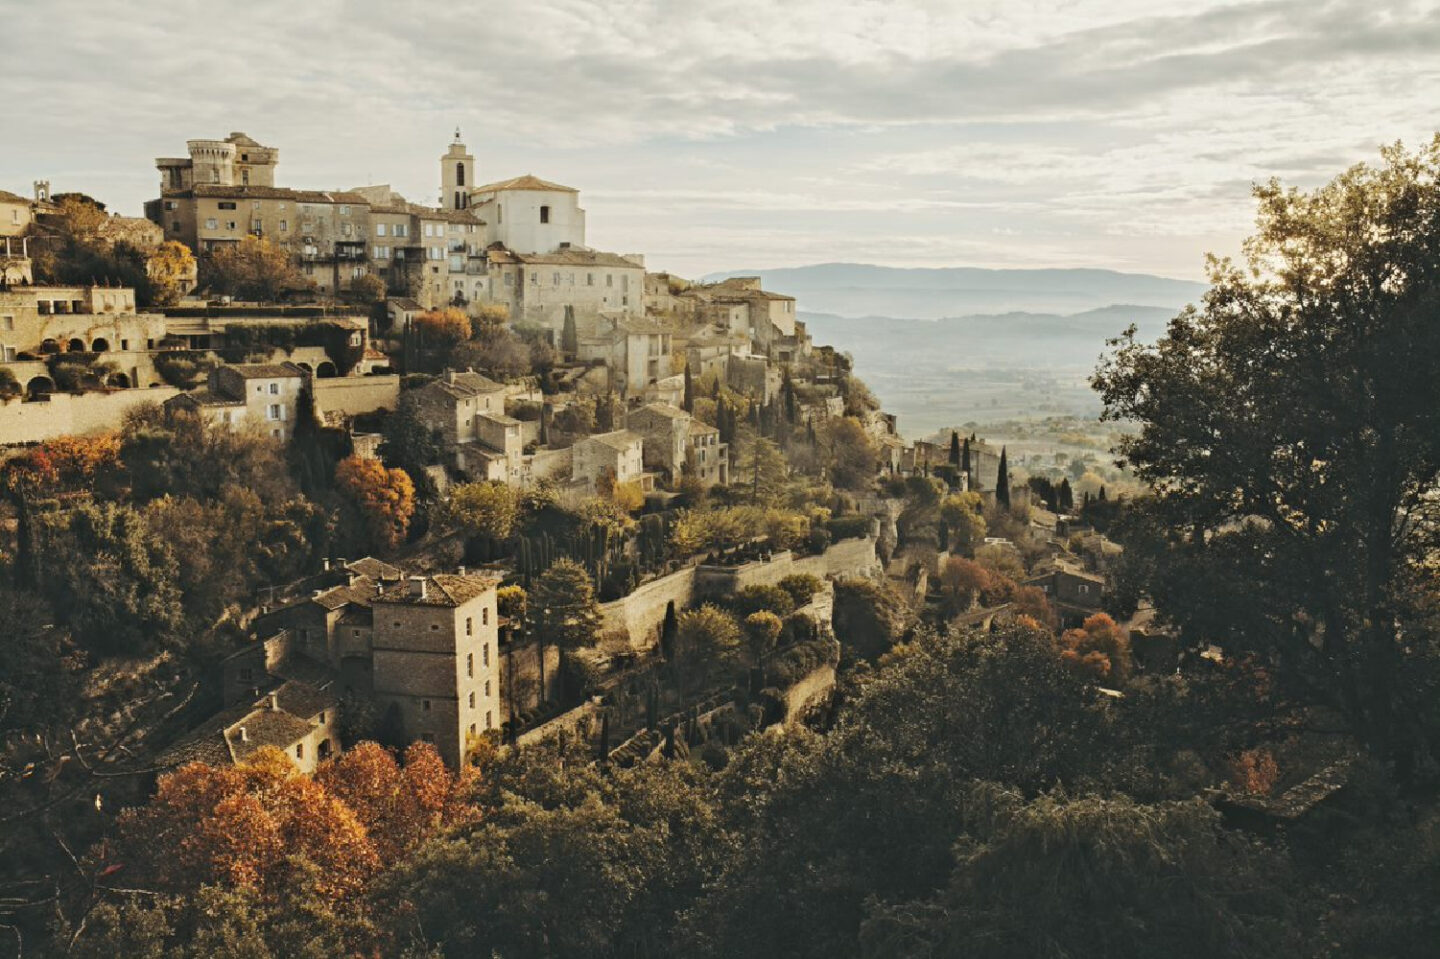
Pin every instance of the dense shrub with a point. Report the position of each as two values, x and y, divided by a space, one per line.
850 527
752 599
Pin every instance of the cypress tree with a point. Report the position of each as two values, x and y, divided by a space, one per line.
954 449
965 457
689 390
1102 494
1067 496
1002 481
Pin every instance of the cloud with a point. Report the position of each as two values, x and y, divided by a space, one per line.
994 130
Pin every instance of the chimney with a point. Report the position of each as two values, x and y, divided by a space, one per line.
380 589
462 570
244 737
273 702
449 376
326 561
417 587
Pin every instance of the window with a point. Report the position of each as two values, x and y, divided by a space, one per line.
254 204
324 749
488 724
459 174
275 412
226 205
544 214
609 279
230 224
382 253
278 434
472 699
402 229
470 665
509 278
244 177
485 616
299 750
425 705
124 345
247 674
485 654
487 687
345 229
211 223
169 205
555 279
344 210
8 322
469 625
434 627
274 389
472 729
381 229
175 226
589 279
284 226
534 279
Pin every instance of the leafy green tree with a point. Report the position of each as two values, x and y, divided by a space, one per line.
410 444
762 471
109 578
1291 451
868 617
706 641
485 511
253 269
1091 878
762 632
562 609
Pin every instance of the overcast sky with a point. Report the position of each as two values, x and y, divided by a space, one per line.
744 133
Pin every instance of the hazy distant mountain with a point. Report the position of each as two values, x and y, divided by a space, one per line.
855 289
989 366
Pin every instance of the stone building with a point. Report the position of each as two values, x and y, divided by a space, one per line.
540 288
37 322
15 214
436 662
635 350
423 649
526 214
665 432
706 458
618 455
225 190
249 394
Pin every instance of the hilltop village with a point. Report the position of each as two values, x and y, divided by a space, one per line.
388 578
546 492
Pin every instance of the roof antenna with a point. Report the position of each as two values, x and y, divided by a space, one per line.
457 133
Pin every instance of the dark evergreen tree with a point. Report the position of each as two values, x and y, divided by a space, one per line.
1066 496
689 390
954 449
1002 481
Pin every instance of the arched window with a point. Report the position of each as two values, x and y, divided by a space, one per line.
459 174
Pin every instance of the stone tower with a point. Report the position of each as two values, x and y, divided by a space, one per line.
457 176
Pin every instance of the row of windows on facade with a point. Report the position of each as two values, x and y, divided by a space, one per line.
556 277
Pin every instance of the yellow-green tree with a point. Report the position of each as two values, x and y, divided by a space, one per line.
253 269
171 267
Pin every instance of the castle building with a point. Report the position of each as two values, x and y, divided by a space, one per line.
225 191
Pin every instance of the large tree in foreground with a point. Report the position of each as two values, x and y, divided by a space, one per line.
1290 426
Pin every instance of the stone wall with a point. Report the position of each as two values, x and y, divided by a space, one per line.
65 413
578 721
642 612
354 395
807 692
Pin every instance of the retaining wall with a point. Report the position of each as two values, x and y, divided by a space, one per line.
73 414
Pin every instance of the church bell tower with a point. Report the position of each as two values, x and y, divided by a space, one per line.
457 176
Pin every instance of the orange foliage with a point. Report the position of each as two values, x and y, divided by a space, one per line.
1099 650
966 581
247 825
399 806
1032 603
448 326
1255 771
261 824
64 464
385 497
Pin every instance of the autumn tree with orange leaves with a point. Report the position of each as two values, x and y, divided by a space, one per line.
385 498
1099 649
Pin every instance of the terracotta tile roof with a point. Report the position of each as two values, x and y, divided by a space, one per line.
304 700
204 396
465 385
8 197
663 409
526 182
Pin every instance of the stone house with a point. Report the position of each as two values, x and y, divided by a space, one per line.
706 457
1072 589
451 404
15 214
635 350
249 394
423 648
619 454
665 431
540 288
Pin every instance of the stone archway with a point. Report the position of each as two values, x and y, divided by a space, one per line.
76 345
100 345
118 380
39 386
326 371
50 347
